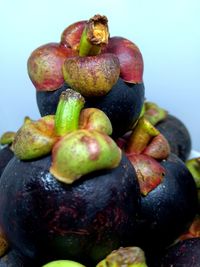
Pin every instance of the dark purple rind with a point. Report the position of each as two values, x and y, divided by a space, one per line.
6 155
14 259
177 135
47 101
185 253
85 221
122 104
169 209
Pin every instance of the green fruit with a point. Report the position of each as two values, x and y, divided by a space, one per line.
63 263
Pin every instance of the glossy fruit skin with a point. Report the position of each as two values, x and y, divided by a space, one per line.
49 220
122 104
169 209
185 253
6 155
177 135
14 259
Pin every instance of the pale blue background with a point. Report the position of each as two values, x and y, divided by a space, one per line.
167 33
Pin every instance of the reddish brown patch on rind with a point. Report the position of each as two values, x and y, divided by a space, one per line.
92 146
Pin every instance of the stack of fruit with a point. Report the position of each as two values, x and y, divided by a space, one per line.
100 178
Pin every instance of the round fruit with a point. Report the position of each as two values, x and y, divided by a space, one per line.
50 220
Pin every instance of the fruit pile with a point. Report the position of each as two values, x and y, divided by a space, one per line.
100 178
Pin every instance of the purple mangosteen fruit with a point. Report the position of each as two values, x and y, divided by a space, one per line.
105 72
74 194
168 191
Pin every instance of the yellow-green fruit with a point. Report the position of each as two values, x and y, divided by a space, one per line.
63 263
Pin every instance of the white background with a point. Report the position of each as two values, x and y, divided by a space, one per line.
167 33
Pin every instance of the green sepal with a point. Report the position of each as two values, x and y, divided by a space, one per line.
91 151
194 167
95 119
154 113
143 132
7 138
35 138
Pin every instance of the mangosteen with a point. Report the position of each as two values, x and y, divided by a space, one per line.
169 209
99 74
184 253
80 200
50 220
168 191
177 135
5 149
172 128
15 259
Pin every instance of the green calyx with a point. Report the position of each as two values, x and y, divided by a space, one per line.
91 150
194 167
63 263
7 138
77 138
94 36
144 148
84 135
92 73
143 132
154 113
128 256
35 138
